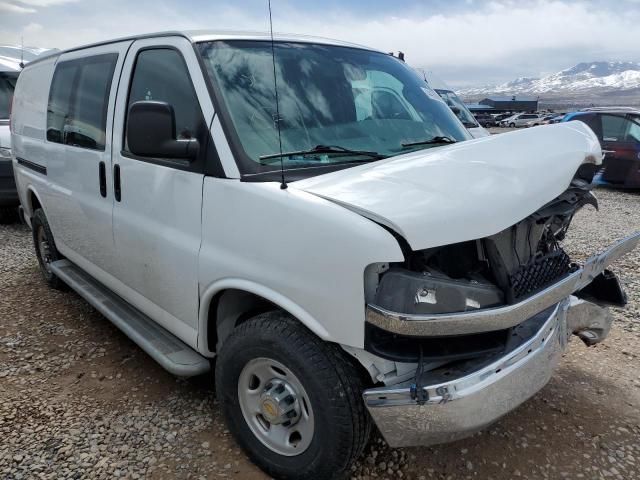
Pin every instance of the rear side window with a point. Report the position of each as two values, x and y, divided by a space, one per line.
160 74
613 128
7 86
78 101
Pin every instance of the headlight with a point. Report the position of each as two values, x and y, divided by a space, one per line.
5 153
409 292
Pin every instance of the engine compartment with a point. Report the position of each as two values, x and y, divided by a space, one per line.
502 269
497 270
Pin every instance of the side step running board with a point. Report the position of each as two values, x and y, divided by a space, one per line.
171 353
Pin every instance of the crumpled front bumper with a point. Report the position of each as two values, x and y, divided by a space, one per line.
470 401
477 395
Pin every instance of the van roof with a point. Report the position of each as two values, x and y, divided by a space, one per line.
196 36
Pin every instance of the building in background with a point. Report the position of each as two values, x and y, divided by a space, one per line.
511 104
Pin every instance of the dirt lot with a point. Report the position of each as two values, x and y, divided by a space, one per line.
79 400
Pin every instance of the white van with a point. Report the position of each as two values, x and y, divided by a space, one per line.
334 252
455 104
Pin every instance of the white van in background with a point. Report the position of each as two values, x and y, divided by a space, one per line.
337 252
456 104
10 59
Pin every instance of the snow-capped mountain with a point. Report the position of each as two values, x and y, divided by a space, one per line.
591 77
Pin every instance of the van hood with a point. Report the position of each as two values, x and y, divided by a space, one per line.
464 191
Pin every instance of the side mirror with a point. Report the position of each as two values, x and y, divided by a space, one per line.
151 132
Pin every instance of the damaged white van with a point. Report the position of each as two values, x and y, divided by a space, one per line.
335 252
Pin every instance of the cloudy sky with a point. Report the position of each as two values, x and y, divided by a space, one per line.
466 42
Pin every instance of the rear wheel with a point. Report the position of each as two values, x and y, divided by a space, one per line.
45 247
292 401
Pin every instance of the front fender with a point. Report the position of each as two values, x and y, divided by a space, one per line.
262 291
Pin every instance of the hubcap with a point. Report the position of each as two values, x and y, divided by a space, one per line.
44 249
275 406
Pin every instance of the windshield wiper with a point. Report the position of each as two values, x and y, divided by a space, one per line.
320 149
431 141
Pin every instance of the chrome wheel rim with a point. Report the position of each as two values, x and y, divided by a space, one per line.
44 249
275 406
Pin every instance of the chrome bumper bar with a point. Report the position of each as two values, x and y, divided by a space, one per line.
499 318
469 402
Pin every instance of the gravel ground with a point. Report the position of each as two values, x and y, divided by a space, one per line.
79 400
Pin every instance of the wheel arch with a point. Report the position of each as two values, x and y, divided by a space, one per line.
33 202
228 302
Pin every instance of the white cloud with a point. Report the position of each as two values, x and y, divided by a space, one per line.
13 8
32 28
494 39
46 3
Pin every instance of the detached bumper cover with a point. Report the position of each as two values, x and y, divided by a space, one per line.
500 318
471 401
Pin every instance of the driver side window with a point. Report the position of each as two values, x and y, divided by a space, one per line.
161 74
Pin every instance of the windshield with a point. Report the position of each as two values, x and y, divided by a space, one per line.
7 86
328 96
463 113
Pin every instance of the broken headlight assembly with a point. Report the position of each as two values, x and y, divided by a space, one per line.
431 293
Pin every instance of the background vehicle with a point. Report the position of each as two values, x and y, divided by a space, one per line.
518 120
540 120
9 200
10 58
618 130
555 119
501 116
457 106
355 260
485 119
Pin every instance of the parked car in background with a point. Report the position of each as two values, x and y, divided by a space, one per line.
540 120
10 59
355 261
518 120
9 200
555 119
501 116
485 119
455 104
618 130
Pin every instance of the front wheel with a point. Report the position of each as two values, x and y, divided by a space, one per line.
292 401
512 125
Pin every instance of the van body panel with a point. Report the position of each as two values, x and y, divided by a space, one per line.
157 221
308 252
29 123
80 217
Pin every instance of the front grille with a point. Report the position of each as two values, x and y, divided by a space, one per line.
537 274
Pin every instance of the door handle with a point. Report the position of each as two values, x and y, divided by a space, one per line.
116 182
102 174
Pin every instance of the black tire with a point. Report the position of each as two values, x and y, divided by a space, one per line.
40 227
332 383
512 125
8 215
